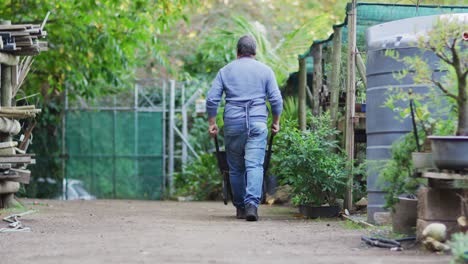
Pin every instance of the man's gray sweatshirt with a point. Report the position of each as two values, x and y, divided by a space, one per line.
247 84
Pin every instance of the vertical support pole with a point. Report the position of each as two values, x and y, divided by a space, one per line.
114 142
171 136
318 78
184 128
350 102
164 147
6 85
302 94
6 96
135 131
64 142
361 67
335 77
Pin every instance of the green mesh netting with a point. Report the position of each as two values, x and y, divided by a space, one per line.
371 14
116 154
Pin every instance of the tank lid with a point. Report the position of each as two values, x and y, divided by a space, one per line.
405 32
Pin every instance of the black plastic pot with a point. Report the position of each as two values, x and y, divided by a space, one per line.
319 211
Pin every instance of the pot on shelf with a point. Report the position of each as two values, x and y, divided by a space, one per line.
405 215
422 160
450 152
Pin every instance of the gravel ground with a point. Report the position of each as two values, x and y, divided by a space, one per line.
120 231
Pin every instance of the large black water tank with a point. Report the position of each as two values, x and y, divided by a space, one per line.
382 126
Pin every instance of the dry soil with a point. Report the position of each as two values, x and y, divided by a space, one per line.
120 231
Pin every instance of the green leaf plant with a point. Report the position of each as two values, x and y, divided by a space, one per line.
317 175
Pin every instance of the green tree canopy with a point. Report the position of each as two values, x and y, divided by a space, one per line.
95 46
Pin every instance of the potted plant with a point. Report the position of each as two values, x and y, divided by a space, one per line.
446 40
414 106
397 180
307 163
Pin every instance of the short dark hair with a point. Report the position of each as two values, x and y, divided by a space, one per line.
246 46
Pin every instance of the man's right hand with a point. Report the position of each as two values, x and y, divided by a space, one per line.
275 125
275 128
212 127
213 130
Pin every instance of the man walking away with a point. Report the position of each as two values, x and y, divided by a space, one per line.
247 84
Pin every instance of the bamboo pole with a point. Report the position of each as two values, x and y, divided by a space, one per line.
302 94
350 102
361 67
335 76
318 79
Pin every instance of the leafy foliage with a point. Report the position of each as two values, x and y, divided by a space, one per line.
306 162
94 49
396 177
445 41
459 247
201 179
94 45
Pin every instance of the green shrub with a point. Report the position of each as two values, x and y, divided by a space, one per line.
459 247
396 177
201 179
307 161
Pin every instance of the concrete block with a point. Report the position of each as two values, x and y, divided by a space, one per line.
382 218
439 204
9 187
452 227
404 217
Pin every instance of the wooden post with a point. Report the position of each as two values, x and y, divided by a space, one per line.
318 79
361 67
6 93
335 77
6 85
302 94
350 102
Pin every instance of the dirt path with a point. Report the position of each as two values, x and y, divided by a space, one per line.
116 231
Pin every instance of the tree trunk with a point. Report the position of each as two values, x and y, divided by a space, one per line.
302 94
317 85
462 129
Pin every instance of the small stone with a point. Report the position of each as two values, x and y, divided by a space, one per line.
362 202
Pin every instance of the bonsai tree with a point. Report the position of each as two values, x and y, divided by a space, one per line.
395 178
448 40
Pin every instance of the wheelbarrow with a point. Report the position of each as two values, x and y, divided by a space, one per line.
224 169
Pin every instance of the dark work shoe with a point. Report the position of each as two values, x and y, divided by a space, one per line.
240 213
251 212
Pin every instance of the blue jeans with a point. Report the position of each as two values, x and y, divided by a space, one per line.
245 149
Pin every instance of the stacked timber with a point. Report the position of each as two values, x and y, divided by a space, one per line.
16 40
22 40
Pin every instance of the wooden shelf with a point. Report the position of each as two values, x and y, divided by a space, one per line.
445 176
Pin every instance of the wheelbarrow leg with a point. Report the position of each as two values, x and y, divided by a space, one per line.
266 164
226 185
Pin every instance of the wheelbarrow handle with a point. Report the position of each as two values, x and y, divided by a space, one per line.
216 144
270 142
